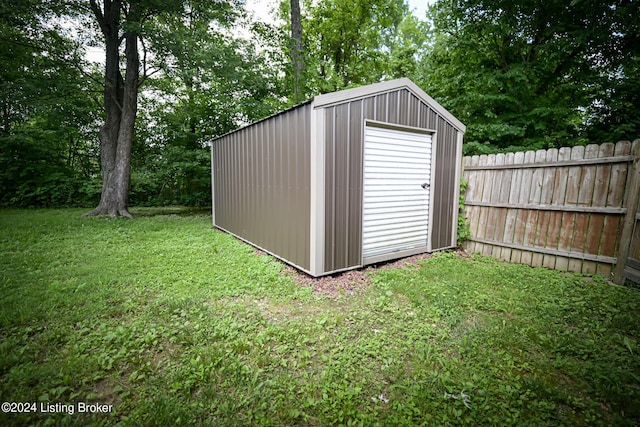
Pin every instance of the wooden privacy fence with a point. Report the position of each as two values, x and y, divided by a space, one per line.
573 209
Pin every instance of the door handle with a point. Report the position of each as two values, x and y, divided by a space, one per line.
425 185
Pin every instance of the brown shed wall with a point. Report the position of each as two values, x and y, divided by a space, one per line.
344 125
261 184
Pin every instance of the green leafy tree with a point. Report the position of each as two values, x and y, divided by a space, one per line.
47 112
613 115
523 73
345 43
179 61
409 46
133 23
209 83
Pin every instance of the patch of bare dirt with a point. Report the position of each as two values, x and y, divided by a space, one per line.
349 282
105 394
335 285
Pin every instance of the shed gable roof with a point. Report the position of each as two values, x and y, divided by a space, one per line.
373 89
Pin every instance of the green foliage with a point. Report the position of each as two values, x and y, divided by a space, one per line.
210 84
174 323
346 40
198 83
530 73
464 229
173 176
347 43
47 121
522 75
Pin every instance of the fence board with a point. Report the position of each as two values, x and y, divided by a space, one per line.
507 219
615 195
585 196
558 208
488 194
479 191
514 196
536 223
607 210
510 214
496 197
545 199
573 189
567 218
579 162
552 226
521 237
603 174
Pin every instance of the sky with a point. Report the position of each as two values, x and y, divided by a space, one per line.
419 7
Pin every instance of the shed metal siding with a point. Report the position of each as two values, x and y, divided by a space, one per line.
445 191
344 126
343 186
262 184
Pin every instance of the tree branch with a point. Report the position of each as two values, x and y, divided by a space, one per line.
146 75
99 16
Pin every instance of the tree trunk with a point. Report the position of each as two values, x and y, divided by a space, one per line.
121 105
296 52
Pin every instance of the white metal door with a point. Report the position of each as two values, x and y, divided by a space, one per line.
397 165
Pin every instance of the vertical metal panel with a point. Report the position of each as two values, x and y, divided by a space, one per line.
445 189
262 184
393 113
381 109
396 206
356 139
330 190
369 108
343 181
413 113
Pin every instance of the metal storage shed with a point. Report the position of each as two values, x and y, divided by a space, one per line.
346 179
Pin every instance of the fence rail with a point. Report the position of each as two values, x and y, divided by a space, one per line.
573 209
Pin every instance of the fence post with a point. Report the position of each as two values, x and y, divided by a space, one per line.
631 201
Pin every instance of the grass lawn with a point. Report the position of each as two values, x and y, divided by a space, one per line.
173 323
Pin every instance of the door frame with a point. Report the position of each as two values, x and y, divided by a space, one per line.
413 251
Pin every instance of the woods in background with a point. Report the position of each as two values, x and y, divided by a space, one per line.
520 74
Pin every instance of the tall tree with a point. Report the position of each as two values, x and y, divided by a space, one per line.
349 43
297 57
210 83
614 113
118 21
123 21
